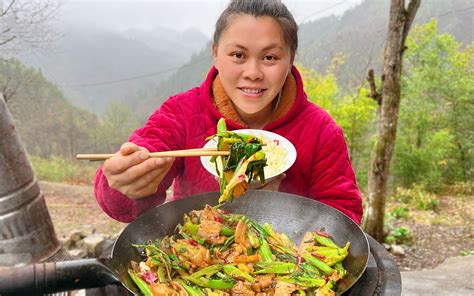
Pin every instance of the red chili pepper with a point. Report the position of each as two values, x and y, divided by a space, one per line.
225 211
299 259
193 242
322 233
219 219
318 255
149 277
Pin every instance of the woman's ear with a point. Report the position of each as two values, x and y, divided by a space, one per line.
214 54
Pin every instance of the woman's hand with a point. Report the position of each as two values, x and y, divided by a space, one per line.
132 172
274 184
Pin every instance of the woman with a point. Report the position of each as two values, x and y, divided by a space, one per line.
253 84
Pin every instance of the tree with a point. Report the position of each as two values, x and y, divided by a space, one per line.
115 127
400 21
354 112
26 24
436 135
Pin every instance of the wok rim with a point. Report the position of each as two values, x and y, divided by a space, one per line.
151 212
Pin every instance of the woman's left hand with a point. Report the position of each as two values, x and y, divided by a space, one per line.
274 184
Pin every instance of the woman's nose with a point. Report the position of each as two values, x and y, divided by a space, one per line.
253 71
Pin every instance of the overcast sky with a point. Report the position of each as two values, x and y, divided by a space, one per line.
178 14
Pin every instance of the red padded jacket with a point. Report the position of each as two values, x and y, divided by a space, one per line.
322 170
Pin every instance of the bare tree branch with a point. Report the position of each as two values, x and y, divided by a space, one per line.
3 42
26 24
410 14
374 94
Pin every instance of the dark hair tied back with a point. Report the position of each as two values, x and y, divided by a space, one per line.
272 8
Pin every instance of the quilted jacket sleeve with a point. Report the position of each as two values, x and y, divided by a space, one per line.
163 131
333 179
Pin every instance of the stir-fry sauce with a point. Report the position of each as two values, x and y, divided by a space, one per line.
244 163
217 253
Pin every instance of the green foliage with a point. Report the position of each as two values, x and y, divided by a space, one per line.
460 189
114 128
417 197
53 131
46 122
58 169
400 212
354 112
400 235
435 137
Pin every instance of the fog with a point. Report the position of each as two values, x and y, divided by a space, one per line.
177 14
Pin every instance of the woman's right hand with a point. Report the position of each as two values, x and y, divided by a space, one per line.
133 173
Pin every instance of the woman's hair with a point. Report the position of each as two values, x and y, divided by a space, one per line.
272 8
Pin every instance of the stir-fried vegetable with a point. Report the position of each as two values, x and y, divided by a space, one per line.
244 163
217 253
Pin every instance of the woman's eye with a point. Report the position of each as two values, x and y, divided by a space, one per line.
269 58
237 55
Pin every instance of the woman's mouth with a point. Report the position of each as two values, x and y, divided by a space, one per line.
252 92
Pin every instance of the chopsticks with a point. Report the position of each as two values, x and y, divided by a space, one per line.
212 151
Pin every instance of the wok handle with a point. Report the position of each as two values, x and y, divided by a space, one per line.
51 277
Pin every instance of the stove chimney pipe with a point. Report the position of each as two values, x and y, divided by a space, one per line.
26 231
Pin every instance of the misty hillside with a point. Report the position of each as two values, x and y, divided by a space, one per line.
180 44
359 34
85 62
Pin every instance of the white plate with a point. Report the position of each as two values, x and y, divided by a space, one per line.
273 141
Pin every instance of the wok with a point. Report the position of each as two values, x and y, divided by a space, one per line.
291 214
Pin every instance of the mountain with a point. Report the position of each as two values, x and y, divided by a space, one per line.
359 35
46 121
160 39
95 67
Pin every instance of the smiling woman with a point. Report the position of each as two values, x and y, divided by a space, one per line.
249 50
253 84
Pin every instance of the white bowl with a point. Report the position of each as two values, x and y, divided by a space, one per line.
274 143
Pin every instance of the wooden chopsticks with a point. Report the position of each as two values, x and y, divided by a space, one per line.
212 151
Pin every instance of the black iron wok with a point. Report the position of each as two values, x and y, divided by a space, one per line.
291 214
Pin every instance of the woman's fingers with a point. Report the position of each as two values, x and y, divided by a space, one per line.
128 148
134 173
120 163
151 176
148 184
274 184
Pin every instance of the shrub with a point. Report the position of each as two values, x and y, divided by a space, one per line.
57 169
417 197
400 235
400 212
460 188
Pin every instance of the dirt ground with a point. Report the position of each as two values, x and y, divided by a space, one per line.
448 232
437 235
73 207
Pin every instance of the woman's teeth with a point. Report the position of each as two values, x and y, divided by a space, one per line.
252 91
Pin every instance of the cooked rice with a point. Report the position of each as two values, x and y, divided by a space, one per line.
276 157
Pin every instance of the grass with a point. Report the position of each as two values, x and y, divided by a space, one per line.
61 170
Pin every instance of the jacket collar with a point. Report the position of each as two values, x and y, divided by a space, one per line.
217 101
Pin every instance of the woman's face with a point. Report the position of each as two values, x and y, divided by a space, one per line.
253 61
